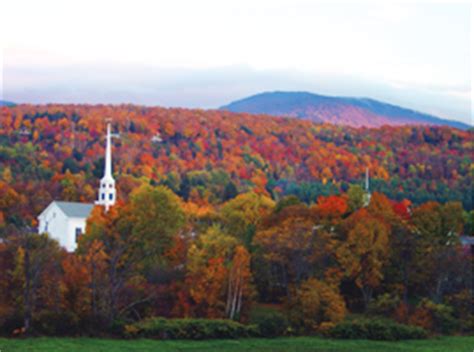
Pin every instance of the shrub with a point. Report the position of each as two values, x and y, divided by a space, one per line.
384 305
421 317
51 323
197 329
270 322
462 303
377 329
117 328
440 317
401 313
9 323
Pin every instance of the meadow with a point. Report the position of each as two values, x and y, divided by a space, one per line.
300 344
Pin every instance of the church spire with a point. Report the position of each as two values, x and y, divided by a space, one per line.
108 155
107 192
367 194
367 180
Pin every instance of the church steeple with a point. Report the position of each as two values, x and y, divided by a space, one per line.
107 192
108 155
367 180
367 194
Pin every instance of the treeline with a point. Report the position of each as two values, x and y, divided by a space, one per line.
284 266
55 152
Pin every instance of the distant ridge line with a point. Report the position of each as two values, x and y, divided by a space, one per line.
350 111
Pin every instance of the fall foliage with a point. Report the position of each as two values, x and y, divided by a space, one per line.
219 213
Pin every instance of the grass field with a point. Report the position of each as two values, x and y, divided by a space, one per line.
300 344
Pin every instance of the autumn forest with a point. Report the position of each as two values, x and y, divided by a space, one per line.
262 221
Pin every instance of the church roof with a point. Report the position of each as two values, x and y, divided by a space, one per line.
74 209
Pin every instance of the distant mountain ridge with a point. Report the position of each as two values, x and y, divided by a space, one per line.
355 112
6 103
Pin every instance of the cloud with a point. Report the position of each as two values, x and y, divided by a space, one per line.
204 53
210 87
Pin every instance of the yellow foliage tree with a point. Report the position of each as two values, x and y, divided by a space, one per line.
364 253
316 306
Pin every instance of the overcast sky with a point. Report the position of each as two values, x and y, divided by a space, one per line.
207 53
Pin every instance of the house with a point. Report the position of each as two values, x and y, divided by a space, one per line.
66 221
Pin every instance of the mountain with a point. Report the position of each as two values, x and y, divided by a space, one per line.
6 103
355 112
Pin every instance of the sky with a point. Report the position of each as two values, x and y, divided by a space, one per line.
208 53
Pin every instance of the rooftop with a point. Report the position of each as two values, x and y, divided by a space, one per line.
75 209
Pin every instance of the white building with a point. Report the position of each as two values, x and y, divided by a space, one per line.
66 221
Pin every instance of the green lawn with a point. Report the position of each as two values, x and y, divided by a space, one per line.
300 344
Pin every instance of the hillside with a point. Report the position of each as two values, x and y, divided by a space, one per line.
355 112
55 152
6 103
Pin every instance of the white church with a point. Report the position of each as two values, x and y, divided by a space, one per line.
66 221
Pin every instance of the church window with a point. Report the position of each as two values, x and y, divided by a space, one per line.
103 196
111 196
78 233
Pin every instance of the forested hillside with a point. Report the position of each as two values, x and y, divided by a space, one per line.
56 152
251 218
